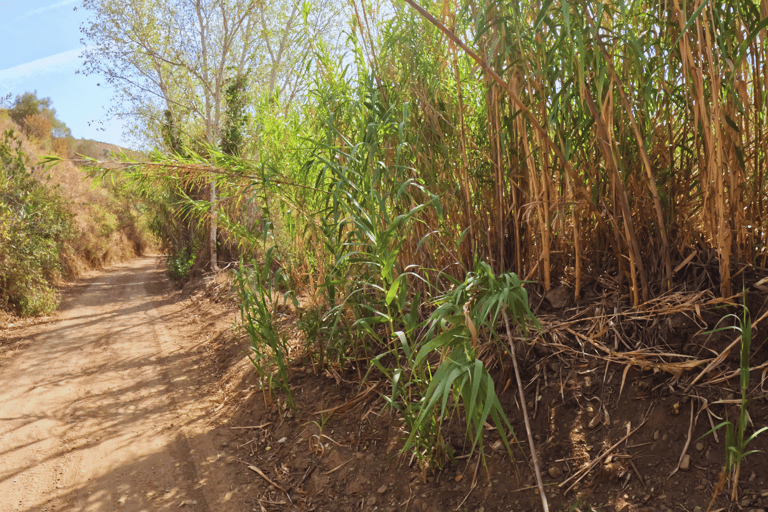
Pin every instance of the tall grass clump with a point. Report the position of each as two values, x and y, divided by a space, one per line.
444 363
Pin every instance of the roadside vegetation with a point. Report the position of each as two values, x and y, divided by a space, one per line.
54 222
403 181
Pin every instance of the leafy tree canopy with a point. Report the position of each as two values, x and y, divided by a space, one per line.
29 111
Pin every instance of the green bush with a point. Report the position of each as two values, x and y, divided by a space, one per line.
179 264
35 225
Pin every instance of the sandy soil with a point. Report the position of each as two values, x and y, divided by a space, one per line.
98 406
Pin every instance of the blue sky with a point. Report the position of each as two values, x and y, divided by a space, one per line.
40 41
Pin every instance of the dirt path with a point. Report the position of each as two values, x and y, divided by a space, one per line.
98 410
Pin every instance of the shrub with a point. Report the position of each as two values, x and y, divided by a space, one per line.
35 225
38 127
179 264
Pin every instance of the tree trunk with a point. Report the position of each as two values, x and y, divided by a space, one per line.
213 225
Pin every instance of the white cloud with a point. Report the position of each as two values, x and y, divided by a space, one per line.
64 61
39 10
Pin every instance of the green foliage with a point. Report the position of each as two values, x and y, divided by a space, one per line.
36 116
34 227
26 105
347 203
464 314
735 431
236 116
179 264
169 131
259 292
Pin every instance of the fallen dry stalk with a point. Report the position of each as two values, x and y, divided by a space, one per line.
534 458
338 467
721 357
251 427
265 477
687 443
347 405
579 475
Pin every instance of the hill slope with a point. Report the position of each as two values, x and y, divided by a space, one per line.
55 221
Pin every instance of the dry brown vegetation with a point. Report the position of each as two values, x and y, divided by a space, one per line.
105 228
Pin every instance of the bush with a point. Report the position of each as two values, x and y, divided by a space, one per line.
179 264
38 127
35 225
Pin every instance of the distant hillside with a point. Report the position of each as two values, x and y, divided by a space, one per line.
56 222
100 150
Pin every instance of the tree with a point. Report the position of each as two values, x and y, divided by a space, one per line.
236 118
178 56
36 116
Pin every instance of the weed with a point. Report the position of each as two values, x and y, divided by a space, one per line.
259 292
469 310
179 264
735 442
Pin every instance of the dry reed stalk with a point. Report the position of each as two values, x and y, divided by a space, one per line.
635 258
539 198
499 80
497 159
644 157
464 170
531 445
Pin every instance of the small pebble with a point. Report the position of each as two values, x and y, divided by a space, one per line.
699 446
382 489
752 477
685 465
555 472
665 437
656 435
371 501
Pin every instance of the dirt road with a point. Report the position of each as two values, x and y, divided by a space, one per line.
98 409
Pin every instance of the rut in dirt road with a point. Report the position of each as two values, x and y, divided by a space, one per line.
96 412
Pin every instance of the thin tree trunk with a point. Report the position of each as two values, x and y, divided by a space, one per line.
212 232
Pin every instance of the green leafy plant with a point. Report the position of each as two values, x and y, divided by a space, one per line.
179 264
259 293
735 431
35 226
464 314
